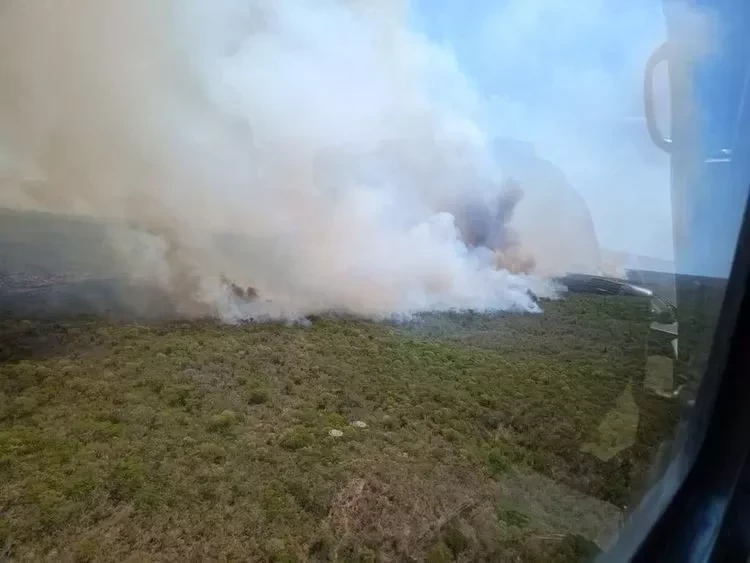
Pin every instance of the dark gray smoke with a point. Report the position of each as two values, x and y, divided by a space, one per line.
487 223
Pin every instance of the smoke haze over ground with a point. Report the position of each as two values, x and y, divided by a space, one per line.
326 154
192 119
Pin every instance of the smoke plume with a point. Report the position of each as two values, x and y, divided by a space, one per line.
322 154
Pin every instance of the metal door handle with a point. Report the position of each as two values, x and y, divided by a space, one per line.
661 54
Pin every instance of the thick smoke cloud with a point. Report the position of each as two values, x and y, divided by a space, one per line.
217 136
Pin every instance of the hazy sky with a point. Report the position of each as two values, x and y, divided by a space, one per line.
568 77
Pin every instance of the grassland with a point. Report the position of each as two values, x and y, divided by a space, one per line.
199 441
487 438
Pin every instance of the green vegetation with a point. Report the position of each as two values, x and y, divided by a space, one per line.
199 441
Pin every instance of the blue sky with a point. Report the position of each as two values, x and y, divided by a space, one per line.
568 76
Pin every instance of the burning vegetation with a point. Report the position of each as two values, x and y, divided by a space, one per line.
248 293
487 224
483 226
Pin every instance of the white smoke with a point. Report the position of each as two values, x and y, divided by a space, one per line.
206 126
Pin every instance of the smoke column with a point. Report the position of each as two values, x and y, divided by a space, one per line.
221 137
